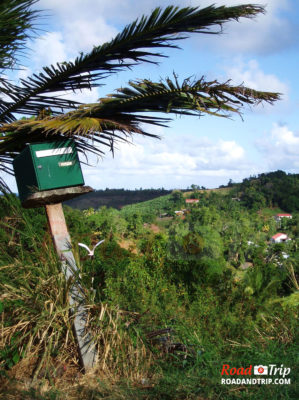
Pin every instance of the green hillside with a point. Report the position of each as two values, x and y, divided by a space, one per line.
274 189
116 198
171 299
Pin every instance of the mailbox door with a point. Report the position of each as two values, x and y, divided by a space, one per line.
57 165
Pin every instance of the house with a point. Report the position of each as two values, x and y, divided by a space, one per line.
179 212
279 238
191 201
278 217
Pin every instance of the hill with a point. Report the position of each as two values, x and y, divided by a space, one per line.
273 189
116 198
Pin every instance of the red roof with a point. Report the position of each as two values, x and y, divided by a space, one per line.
283 215
278 235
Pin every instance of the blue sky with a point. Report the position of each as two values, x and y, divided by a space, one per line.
261 53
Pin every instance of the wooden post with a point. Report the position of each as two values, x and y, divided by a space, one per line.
62 243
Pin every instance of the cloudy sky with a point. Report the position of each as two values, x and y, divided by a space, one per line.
261 53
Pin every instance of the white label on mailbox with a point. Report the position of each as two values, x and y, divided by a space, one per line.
53 152
65 163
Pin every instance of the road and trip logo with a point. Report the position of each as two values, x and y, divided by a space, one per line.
271 374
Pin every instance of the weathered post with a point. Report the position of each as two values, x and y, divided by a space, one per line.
62 240
46 175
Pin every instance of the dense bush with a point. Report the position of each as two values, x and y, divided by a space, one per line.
167 305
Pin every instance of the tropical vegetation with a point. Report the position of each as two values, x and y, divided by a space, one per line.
170 299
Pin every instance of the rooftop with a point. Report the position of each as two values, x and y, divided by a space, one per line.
277 235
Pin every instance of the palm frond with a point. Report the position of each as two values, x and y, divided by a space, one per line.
159 30
16 24
126 112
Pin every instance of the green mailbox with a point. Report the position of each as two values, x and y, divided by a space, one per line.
45 166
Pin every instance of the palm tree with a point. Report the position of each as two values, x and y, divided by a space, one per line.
129 110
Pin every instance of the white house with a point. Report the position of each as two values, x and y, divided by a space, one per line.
179 212
278 217
279 238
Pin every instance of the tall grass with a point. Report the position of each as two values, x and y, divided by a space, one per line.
139 294
36 323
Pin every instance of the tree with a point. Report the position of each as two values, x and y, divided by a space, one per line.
95 127
177 199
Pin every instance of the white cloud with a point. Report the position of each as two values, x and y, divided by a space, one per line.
24 73
84 96
124 11
263 34
266 33
254 77
82 35
75 36
281 148
251 75
177 161
49 48
79 25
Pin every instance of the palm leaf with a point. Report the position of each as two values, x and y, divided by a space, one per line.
16 25
159 30
126 112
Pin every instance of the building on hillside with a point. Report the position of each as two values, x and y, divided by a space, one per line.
191 201
278 217
279 238
179 212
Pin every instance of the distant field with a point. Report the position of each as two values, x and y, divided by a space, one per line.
161 204
270 212
157 205
223 191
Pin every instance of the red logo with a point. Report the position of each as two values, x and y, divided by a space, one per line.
227 370
261 370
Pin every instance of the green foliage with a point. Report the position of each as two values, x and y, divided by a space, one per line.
183 281
149 209
177 199
211 281
272 189
291 301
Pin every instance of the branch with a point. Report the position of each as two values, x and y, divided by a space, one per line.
159 30
124 113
